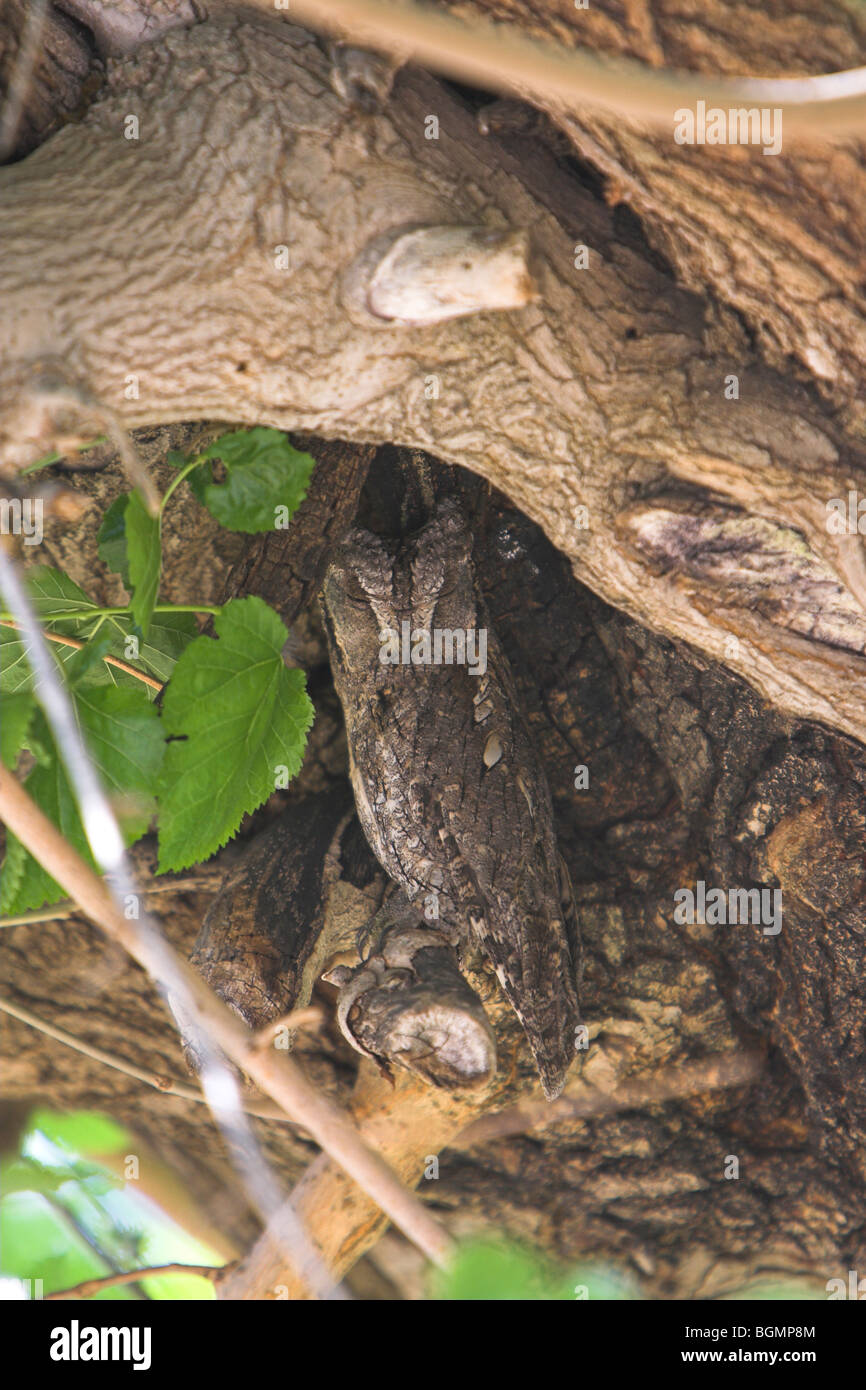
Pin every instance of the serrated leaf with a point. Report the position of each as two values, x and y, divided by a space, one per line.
12 875
236 714
25 884
125 737
264 474
112 539
122 731
144 550
51 592
16 712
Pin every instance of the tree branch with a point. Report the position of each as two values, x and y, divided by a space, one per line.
598 395
407 1121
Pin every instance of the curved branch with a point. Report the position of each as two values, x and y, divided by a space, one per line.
485 54
250 301
408 1122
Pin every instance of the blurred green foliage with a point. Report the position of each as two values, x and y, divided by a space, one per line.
65 1216
501 1270
496 1270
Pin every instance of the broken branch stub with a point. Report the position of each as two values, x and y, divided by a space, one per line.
431 274
407 1003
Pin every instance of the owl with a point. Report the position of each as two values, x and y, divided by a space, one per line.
447 783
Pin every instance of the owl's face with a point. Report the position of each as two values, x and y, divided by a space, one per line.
372 588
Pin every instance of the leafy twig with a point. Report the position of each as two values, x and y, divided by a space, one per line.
109 660
181 987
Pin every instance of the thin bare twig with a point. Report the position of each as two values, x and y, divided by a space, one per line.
500 56
78 644
132 1276
197 883
164 1084
310 1018
52 387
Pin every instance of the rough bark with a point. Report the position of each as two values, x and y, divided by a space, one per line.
778 239
608 390
304 890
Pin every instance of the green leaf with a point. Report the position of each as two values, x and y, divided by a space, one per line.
86 1132
112 539
16 712
144 548
169 634
38 1243
25 884
52 591
55 457
15 673
86 660
156 656
23 1175
236 714
125 738
490 1269
12 876
123 734
267 480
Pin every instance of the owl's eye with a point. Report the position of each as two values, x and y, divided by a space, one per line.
347 579
355 592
